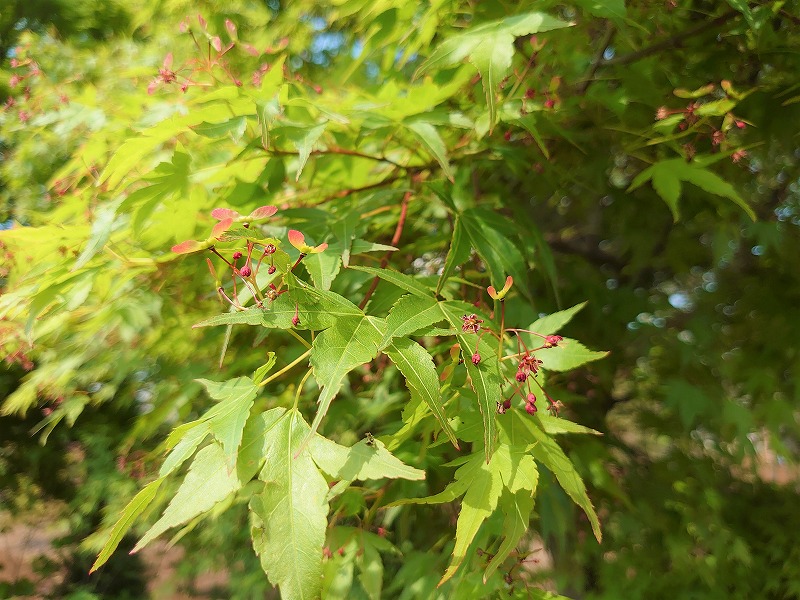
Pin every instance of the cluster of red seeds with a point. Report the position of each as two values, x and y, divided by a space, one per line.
528 364
717 134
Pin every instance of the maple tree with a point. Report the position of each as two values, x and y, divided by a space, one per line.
326 254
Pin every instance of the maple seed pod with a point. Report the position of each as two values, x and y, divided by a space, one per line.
521 376
237 255
245 271
530 409
476 359
271 269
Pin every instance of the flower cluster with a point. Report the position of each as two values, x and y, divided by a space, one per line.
471 323
702 117
210 58
528 363
256 252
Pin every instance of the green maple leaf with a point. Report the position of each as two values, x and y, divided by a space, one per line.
289 517
490 48
351 342
416 365
667 177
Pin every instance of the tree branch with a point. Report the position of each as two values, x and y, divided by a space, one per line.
583 86
342 151
398 231
676 41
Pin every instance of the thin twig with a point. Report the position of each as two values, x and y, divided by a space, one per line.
395 240
340 151
583 86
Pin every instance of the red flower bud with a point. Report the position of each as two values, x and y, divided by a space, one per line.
521 376
245 271
552 340
530 409
507 403
271 269
270 249
237 255
476 359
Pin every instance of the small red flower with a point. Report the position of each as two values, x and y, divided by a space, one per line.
471 323
529 364
551 341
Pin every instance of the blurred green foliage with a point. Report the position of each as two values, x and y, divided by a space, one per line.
617 160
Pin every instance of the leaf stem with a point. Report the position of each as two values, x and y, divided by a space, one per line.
288 367
299 338
300 389
502 329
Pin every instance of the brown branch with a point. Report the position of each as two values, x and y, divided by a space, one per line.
401 221
587 251
583 86
344 152
675 41
365 188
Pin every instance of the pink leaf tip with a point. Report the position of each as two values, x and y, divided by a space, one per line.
221 227
187 247
263 212
224 213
